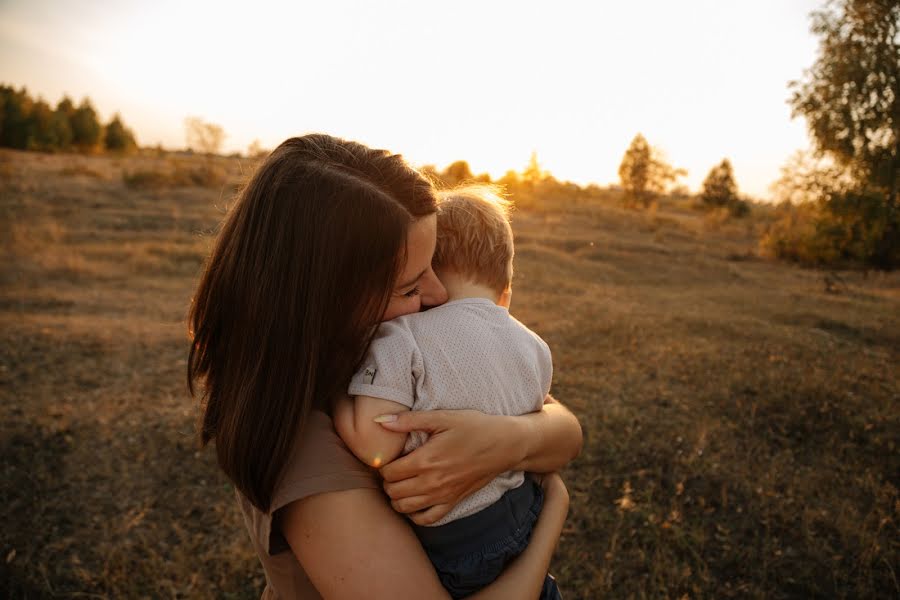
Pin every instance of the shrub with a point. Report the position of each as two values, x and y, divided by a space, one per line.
845 228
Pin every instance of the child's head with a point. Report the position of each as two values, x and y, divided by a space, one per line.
474 239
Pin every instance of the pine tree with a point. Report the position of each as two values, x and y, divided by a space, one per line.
86 129
118 138
65 110
42 132
719 187
16 112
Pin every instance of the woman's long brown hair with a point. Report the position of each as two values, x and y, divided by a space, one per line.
302 269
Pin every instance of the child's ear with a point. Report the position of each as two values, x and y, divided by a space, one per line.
505 297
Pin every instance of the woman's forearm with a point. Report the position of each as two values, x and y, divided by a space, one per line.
466 449
552 438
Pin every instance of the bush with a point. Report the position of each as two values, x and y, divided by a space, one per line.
795 236
739 208
846 228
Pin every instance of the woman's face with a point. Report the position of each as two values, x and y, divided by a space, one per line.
417 285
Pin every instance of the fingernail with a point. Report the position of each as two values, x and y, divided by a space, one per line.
385 418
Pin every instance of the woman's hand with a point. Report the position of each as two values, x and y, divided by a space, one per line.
465 450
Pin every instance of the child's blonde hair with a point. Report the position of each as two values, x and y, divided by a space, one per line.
474 238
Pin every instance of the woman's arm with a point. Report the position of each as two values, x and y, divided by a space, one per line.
363 549
466 449
352 545
553 438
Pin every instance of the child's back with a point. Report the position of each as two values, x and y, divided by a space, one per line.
466 354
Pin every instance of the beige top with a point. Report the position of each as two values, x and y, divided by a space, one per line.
319 463
465 354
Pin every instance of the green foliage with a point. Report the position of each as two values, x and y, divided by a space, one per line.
16 112
826 218
118 138
644 173
849 99
27 124
719 187
65 110
86 128
41 132
720 190
62 131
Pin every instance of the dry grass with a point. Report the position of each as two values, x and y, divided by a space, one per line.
741 423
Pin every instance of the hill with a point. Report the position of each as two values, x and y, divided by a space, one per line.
741 416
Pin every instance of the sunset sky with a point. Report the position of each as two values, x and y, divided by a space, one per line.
488 82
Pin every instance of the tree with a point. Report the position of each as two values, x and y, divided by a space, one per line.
533 174
849 98
42 131
203 137
86 129
850 95
510 180
118 138
456 173
719 188
66 107
256 150
62 130
62 120
645 173
17 107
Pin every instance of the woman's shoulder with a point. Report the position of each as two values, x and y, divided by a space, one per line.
320 462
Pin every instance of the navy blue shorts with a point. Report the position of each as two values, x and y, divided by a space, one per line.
471 552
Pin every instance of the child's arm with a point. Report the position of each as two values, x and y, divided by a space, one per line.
354 420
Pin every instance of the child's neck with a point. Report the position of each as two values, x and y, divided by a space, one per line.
459 287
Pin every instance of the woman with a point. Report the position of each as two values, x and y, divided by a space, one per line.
329 238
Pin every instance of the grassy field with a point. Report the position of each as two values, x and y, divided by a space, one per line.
742 423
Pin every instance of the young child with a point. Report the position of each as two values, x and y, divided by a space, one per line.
468 353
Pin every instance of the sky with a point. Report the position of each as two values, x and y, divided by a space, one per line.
488 82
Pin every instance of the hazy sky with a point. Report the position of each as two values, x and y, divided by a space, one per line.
438 81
